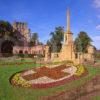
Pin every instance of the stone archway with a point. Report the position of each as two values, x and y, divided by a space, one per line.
7 48
26 52
20 51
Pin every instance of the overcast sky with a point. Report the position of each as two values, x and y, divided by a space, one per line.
43 16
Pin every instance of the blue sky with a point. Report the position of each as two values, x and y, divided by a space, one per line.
43 16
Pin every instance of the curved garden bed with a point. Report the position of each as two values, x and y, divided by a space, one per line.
46 77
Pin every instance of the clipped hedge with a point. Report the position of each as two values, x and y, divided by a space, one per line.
24 55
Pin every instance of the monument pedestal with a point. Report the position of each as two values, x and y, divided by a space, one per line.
67 52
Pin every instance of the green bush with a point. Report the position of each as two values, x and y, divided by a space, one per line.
20 55
24 55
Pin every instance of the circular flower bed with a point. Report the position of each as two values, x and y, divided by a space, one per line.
43 77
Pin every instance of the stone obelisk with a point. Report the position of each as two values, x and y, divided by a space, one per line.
67 52
68 38
68 20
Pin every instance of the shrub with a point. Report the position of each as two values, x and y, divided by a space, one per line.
24 55
20 55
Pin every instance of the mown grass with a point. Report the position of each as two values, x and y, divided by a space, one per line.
95 98
8 92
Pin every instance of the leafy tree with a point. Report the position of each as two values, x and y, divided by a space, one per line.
34 39
6 29
56 39
48 43
78 45
40 43
82 42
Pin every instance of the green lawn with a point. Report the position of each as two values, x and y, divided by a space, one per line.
8 92
96 98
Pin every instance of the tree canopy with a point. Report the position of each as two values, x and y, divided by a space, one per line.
55 42
82 41
6 31
34 39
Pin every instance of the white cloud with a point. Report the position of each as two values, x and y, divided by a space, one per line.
98 27
96 3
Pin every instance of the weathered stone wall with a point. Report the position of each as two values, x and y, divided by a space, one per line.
17 49
39 49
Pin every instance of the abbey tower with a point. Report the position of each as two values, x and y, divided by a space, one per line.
23 29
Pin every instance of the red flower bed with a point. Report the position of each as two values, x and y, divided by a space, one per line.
56 73
58 83
53 73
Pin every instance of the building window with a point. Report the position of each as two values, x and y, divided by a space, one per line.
76 55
